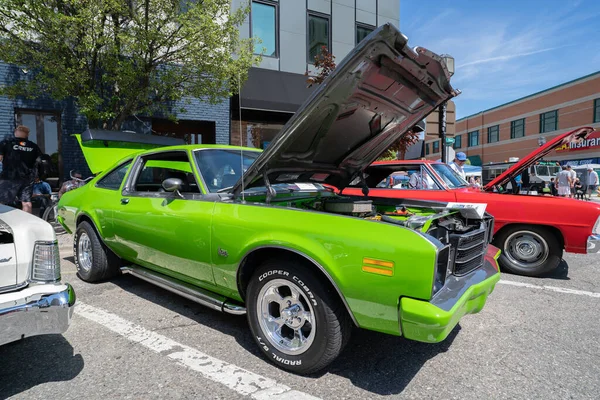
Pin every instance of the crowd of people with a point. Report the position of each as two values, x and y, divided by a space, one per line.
567 184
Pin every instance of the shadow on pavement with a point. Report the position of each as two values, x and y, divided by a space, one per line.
560 273
36 360
385 364
379 363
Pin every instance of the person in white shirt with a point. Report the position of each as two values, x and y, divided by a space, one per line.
592 182
573 176
458 164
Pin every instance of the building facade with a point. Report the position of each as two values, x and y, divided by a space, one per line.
516 128
292 34
52 124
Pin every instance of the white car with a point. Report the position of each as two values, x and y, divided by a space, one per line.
33 301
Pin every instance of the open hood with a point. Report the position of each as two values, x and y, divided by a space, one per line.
95 142
375 95
575 136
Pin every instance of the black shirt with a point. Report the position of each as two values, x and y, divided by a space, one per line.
19 158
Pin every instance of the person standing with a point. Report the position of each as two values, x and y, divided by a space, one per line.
563 182
592 182
18 155
573 176
459 163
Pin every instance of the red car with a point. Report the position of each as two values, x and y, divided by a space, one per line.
532 231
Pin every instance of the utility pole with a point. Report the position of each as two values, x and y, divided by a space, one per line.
442 130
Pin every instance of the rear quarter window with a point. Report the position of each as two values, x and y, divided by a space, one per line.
114 179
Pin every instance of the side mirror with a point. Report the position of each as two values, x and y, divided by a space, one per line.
172 184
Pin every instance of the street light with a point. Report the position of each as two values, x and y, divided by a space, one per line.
449 61
541 141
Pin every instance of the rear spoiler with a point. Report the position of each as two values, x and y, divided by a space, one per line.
102 148
129 137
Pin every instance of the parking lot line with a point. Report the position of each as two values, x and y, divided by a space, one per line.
244 382
551 288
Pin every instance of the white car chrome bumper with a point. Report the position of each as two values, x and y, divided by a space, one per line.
35 310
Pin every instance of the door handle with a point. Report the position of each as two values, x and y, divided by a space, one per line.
124 201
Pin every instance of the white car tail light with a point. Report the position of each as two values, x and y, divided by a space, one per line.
46 262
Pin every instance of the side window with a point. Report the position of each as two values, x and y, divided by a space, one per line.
114 179
410 178
158 167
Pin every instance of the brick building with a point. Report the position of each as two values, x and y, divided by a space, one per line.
516 128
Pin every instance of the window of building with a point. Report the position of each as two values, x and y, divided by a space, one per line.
473 138
426 149
362 31
318 35
436 146
493 134
549 121
457 141
264 26
517 128
596 110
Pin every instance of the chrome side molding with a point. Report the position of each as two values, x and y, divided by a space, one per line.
198 295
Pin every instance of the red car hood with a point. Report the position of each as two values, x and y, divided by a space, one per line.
574 136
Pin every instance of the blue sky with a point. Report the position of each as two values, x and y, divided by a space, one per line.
506 49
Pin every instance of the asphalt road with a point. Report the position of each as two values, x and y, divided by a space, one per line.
535 339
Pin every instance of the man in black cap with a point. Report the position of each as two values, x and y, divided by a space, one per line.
18 155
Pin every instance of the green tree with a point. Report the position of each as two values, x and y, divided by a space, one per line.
120 58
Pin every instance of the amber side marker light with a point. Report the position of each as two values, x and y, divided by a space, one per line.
379 267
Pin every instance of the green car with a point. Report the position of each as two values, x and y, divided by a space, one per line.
265 234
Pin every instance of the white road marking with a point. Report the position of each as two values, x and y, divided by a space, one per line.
244 382
551 288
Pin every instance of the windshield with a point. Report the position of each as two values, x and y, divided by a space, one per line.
449 176
222 168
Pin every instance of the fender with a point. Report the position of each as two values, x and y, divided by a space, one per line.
309 259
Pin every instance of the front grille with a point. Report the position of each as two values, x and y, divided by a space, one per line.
470 251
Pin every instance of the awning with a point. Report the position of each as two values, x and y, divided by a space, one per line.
475 160
270 90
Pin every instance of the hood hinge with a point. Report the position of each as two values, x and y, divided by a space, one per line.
271 193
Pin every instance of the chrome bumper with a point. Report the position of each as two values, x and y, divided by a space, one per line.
35 310
593 244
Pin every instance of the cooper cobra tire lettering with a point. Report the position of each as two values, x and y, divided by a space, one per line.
273 272
306 289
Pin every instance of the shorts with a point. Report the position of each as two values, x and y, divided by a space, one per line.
12 190
564 191
592 188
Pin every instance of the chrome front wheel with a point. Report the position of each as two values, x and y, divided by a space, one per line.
84 252
286 316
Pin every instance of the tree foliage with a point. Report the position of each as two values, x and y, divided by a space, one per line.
324 65
120 58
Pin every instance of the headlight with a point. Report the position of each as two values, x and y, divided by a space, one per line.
46 262
596 230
